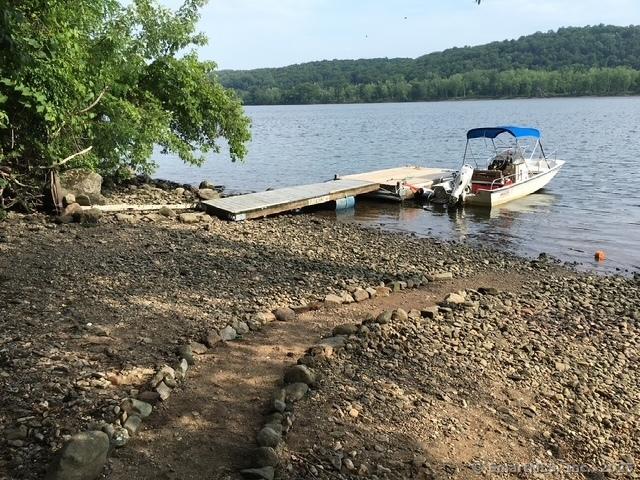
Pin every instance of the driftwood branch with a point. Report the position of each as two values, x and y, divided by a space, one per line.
95 102
71 157
124 207
12 179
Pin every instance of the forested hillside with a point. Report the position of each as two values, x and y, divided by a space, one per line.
598 60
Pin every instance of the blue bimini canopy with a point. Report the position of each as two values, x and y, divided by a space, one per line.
493 132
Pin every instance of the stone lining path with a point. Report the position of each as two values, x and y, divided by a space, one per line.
207 429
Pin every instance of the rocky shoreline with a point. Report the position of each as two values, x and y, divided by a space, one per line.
489 383
91 310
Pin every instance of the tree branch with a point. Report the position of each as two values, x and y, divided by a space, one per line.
71 157
95 102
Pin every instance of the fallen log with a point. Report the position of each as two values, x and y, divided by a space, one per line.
126 207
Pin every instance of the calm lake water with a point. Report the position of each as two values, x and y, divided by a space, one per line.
593 204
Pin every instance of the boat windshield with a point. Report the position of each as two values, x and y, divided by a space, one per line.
488 152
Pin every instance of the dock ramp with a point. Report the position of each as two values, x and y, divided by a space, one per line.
270 202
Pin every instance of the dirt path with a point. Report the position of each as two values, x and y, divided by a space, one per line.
208 426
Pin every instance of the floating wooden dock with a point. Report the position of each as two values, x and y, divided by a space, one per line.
270 202
401 183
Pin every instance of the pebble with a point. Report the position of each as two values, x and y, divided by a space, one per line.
181 369
163 390
186 352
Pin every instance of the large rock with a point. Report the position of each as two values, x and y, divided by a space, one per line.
212 338
188 217
265 457
430 312
454 299
82 458
327 346
166 212
299 373
384 317
264 317
332 299
91 216
440 277
264 473
136 407
208 194
133 424
81 181
72 209
360 295
295 392
228 333
163 390
346 329
240 327
268 437
383 291
83 200
346 297
285 314
400 315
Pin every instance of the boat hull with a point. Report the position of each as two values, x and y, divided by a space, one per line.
492 198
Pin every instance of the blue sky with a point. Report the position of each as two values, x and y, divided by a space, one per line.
271 33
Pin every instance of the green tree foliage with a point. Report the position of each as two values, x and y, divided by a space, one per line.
598 60
97 84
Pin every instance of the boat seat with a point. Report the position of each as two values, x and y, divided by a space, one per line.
486 176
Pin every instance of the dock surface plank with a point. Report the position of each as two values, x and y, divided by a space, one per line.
260 204
391 176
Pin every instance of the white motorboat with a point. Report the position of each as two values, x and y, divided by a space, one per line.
515 168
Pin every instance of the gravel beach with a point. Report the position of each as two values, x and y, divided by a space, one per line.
89 311
543 381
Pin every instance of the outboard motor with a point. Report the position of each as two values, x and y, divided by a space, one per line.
460 183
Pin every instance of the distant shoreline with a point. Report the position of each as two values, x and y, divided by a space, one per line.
442 100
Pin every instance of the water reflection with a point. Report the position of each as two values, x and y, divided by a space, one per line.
507 226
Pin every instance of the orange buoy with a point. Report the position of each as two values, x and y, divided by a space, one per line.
600 255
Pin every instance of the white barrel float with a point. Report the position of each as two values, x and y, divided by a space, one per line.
345 203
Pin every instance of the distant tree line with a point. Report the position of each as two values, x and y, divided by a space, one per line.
599 60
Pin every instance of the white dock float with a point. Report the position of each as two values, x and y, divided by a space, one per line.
261 204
